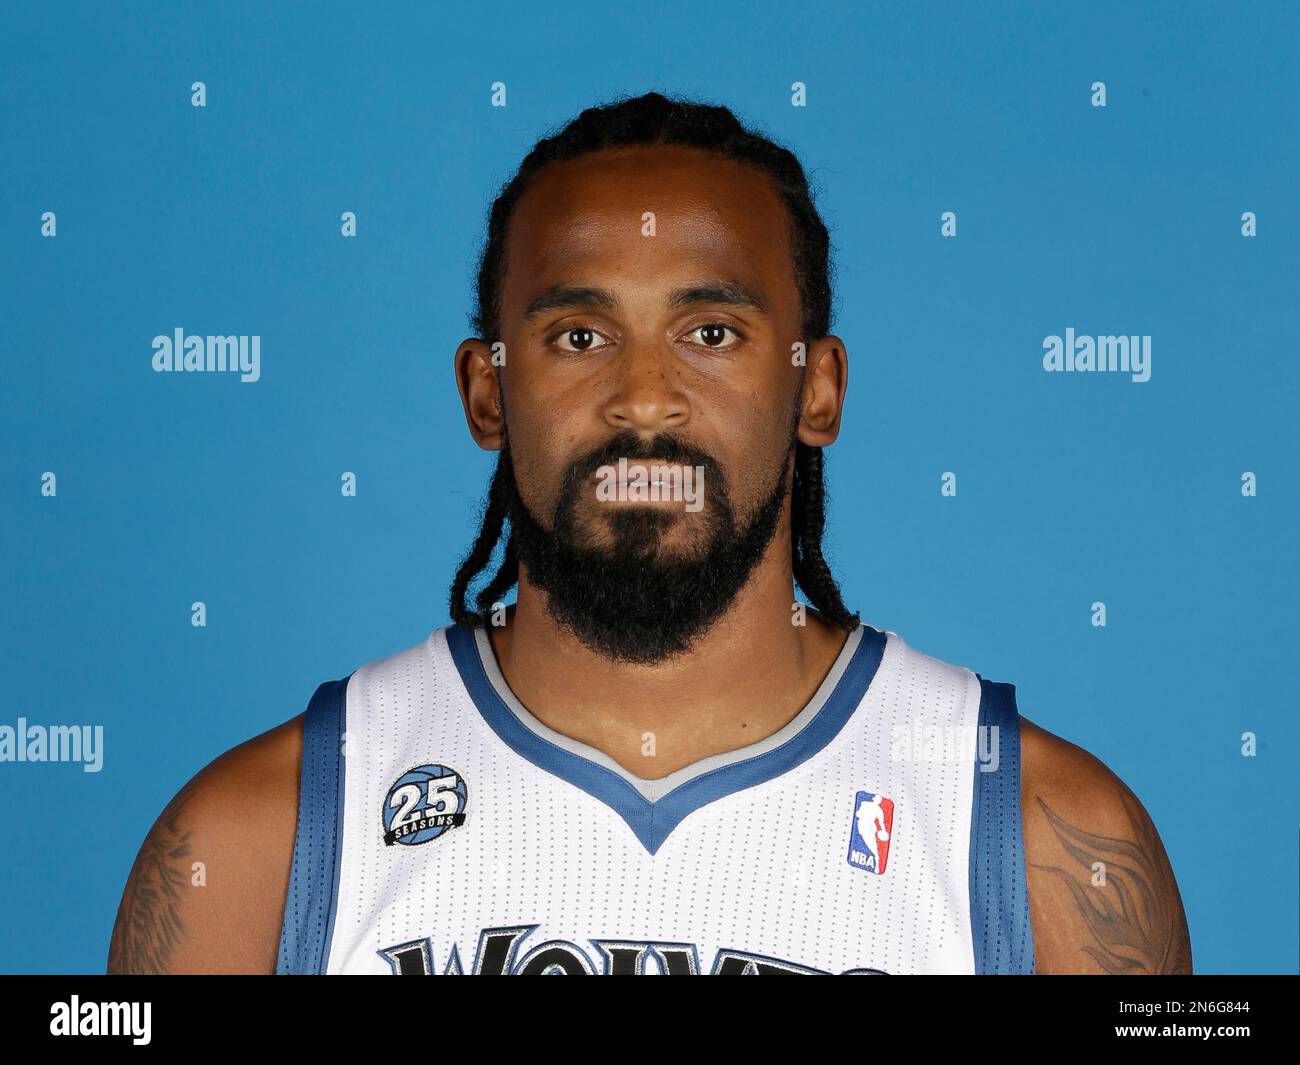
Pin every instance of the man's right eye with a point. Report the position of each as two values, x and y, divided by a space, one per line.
581 338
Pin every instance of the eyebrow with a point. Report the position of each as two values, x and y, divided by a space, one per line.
727 292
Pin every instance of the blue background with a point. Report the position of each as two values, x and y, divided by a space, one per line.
1072 488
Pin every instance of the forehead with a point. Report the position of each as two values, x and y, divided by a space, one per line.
584 216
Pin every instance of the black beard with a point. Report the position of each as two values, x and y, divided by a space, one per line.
631 602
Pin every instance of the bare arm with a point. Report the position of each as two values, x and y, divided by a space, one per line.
206 893
1102 894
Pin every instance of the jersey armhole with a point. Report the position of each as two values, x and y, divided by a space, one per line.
1001 932
308 924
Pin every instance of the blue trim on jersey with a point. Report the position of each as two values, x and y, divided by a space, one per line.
308 925
999 897
653 821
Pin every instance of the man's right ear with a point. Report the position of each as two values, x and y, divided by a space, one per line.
479 385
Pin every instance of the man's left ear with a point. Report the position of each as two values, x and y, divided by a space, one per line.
825 381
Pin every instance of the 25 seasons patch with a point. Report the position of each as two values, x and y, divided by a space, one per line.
424 803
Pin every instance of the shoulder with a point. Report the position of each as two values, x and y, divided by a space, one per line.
207 890
1102 894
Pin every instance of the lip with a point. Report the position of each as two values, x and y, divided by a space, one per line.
660 485
676 467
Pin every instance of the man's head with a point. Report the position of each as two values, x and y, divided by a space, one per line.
658 280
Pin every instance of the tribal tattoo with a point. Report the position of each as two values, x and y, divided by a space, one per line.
1135 916
148 923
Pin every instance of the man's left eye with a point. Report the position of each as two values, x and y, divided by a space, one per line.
714 334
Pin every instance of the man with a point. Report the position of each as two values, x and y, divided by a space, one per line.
656 760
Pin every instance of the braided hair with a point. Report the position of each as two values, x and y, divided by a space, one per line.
653 119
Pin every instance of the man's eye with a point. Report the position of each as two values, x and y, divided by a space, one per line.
714 335
580 337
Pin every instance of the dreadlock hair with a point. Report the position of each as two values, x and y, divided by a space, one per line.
654 119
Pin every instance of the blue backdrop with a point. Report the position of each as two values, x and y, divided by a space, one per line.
1072 488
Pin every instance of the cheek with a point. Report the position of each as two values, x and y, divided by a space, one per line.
541 450
752 450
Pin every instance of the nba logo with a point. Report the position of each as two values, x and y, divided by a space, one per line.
873 820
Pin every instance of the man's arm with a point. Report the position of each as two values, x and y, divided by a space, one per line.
1102 894
206 893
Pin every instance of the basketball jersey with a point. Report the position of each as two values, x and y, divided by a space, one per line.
444 830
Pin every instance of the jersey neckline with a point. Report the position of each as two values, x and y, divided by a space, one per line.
652 808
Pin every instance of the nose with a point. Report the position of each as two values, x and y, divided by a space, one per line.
647 395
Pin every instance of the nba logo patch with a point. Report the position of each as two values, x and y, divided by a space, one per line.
869 832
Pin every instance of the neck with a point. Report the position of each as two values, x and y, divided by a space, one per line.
741 682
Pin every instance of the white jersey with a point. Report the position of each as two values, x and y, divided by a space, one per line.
443 829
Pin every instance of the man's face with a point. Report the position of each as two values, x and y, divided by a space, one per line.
634 336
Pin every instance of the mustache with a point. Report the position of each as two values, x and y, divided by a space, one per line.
664 447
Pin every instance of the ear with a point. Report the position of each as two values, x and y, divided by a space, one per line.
478 382
824 385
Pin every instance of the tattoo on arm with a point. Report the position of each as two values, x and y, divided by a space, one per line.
1136 917
148 922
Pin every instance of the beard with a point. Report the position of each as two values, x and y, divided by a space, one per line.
635 601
